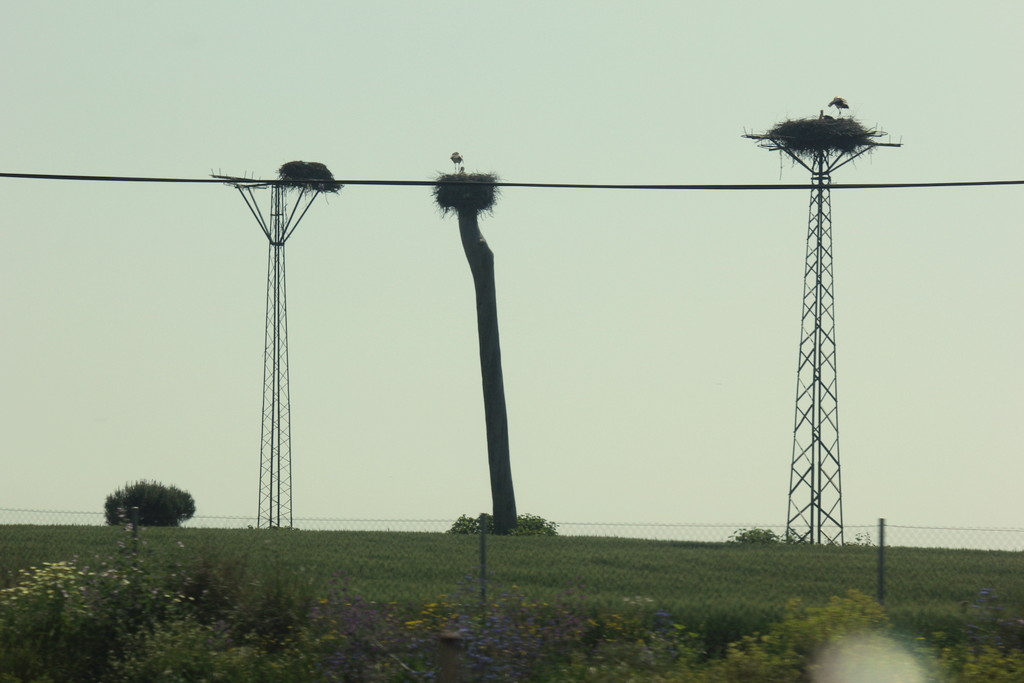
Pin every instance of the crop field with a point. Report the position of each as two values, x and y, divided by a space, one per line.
721 590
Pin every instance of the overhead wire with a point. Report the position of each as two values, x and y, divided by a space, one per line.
575 186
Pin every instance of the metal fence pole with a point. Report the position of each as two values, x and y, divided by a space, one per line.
881 561
484 519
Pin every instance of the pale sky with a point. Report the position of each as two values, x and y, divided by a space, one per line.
649 338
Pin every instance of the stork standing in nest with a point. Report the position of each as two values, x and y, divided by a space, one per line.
457 160
840 104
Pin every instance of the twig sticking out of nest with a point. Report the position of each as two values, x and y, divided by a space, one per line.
807 137
476 192
308 175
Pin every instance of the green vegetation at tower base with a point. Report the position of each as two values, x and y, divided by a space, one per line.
526 525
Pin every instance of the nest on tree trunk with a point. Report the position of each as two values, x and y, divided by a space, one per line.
476 192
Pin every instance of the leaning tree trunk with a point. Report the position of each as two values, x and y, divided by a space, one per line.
481 263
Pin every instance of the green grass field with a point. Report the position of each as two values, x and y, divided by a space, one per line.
720 590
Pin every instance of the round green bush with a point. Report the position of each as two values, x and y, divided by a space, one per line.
159 505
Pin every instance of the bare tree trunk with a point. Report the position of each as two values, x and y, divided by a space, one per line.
481 263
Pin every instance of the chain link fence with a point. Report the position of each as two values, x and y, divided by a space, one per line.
895 535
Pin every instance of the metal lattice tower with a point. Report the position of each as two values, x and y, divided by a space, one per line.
815 513
275 492
815 483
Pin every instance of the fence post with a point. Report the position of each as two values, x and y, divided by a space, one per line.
483 558
134 510
449 646
881 561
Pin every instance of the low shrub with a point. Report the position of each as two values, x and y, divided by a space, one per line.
513 638
755 537
526 525
851 631
361 640
508 637
66 620
185 650
986 663
992 625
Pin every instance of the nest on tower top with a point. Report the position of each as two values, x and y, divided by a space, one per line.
806 138
456 192
308 175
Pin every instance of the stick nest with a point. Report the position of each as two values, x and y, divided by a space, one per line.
807 137
308 175
457 192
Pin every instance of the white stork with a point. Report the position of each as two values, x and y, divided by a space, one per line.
839 103
457 160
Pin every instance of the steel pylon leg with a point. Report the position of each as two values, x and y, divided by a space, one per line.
815 489
275 508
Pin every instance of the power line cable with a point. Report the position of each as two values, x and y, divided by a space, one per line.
574 186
